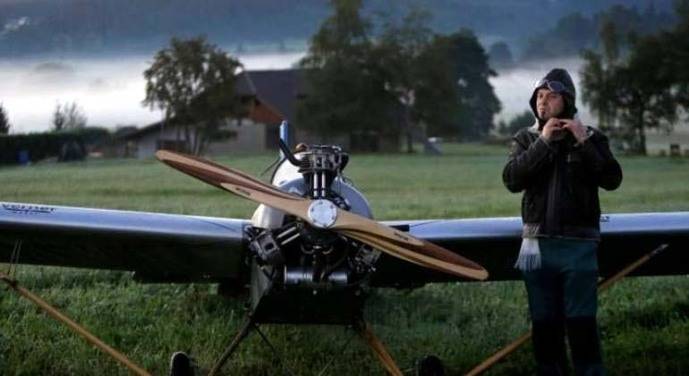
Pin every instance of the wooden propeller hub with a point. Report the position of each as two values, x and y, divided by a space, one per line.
322 213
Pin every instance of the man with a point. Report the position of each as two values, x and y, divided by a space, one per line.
559 164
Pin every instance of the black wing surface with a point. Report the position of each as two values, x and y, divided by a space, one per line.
181 248
494 243
157 247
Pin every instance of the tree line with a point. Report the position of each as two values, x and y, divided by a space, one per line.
67 116
576 31
395 76
4 121
90 27
404 79
637 82
634 76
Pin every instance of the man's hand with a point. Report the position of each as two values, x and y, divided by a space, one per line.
577 129
552 130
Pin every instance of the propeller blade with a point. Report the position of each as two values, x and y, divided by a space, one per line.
428 255
389 240
217 175
406 246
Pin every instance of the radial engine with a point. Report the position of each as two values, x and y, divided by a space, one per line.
292 261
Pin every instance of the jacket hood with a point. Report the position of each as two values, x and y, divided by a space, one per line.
569 93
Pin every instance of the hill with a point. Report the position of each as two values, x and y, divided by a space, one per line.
85 27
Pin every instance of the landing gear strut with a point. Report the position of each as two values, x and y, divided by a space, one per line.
362 328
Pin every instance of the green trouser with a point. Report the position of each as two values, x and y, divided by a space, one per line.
563 299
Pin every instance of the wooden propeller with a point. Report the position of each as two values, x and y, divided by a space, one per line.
389 240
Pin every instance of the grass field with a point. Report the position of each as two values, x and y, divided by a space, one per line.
644 321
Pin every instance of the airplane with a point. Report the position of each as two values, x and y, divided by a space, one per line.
311 251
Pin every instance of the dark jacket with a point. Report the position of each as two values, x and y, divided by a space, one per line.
560 180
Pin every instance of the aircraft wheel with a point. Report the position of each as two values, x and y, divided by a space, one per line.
430 365
181 365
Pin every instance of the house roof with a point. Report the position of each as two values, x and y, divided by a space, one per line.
244 86
143 131
275 91
279 90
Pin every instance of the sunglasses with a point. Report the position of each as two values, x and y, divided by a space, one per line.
554 86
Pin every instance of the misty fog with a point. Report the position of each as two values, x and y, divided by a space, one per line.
110 90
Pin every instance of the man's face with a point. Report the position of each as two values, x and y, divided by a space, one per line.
549 104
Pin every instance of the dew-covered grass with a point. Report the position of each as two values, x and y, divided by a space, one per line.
644 321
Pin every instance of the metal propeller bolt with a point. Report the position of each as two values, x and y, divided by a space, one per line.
322 213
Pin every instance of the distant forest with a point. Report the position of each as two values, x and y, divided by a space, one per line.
87 27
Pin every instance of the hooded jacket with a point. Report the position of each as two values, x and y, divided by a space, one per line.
560 179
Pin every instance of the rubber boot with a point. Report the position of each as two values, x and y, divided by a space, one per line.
430 365
181 365
549 347
584 343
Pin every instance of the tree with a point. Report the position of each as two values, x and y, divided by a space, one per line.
193 82
346 87
575 32
58 120
678 57
404 77
401 52
436 92
640 91
572 33
4 121
500 55
476 103
625 20
647 100
596 77
647 85
68 116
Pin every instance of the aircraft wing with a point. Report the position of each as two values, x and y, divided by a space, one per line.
494 243
157 247
182 248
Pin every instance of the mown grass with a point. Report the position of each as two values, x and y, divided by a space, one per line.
644 321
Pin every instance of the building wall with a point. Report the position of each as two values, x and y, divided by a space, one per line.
147 144
247 137
658 142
